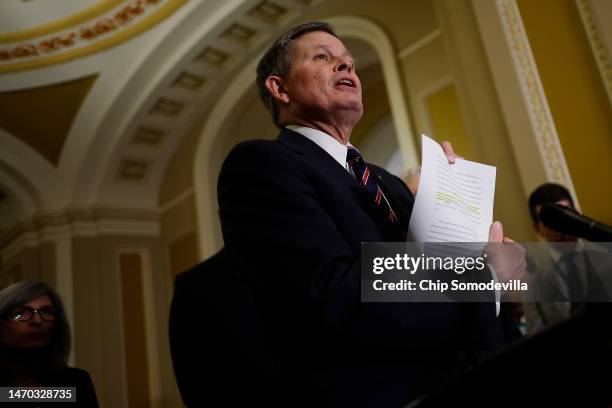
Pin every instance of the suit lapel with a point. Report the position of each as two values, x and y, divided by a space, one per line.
327 165
318 157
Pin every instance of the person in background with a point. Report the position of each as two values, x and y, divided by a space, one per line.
539 314
545 194
214 329
35 343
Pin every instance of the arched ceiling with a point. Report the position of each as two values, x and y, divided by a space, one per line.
29 113
137 94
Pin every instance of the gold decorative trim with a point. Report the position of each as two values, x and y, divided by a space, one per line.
48 51
101 7
533 92
600 51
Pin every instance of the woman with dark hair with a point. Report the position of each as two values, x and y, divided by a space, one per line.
35 343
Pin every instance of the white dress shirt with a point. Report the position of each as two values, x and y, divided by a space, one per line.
333 147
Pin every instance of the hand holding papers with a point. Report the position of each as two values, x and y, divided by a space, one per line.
454 202
506 257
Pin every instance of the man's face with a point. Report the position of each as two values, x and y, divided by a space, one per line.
322 83
548 234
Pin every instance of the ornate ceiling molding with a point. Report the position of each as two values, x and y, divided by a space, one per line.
78 222
187 77
71 20
90 31
598 45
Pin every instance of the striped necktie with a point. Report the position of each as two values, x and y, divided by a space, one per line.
367 180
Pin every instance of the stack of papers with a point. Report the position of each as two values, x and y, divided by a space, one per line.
454 202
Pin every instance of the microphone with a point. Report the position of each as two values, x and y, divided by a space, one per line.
568 221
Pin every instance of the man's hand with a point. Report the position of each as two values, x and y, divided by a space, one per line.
506 257
448 151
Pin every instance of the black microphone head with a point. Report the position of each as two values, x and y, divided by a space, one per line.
568 221
563 219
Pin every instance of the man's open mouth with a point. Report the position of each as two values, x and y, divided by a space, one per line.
346 82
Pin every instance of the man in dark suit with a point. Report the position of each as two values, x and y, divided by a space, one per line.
294 212
215 337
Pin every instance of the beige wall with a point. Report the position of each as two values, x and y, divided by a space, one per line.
406 21
484 120
577 98
447 120
105 334
179 235
134 329
426 70
375 102
29 263
97 337
179 174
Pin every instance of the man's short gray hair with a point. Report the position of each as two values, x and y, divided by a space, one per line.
277 61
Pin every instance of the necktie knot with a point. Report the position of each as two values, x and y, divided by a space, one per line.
352 155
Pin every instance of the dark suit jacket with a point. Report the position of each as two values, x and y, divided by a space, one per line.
215 337
295 219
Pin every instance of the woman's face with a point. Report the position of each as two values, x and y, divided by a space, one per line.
18 333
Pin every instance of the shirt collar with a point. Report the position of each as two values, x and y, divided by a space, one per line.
333 147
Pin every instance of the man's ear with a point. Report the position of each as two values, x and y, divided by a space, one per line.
274 85
536 227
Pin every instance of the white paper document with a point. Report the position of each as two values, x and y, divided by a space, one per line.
454 202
